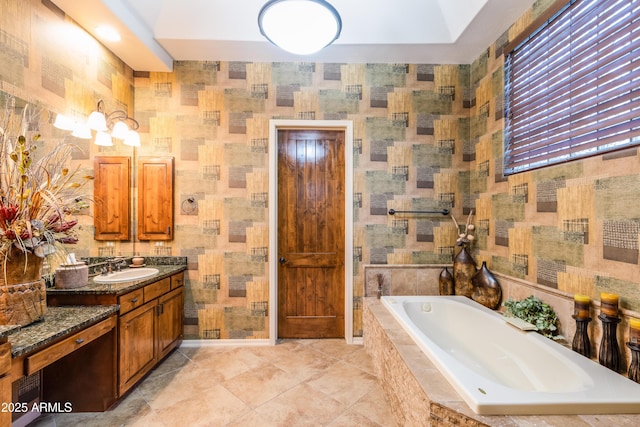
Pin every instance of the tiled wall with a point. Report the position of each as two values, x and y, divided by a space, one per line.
573 227
426 137
409 120
47 60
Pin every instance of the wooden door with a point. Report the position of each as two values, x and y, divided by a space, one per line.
311 183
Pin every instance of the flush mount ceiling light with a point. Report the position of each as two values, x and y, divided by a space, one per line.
302 27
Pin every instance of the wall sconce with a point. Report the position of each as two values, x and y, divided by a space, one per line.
302 27
116 125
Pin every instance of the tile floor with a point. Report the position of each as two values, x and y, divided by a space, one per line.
295 383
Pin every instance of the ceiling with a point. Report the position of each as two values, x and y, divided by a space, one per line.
157 32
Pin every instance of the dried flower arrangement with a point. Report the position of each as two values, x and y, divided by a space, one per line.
38 196
465 237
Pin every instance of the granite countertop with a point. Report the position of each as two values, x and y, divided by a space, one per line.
7 329
121 288
57 322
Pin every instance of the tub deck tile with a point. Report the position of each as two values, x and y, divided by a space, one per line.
419 395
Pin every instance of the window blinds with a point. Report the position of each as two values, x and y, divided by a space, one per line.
572 88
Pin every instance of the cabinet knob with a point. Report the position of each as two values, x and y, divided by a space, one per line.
79 340
134 300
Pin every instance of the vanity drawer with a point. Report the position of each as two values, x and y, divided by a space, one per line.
5 358
177 280
57 351
154 290
131 300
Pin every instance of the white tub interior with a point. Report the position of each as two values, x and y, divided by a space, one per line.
499 369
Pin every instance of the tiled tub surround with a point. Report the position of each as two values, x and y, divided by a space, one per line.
423 280
500 370
420 395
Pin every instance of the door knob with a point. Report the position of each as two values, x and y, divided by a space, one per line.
282 260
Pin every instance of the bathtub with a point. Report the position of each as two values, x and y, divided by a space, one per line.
499 369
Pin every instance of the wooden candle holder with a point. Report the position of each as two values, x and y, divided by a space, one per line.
609 354
634 366
581 343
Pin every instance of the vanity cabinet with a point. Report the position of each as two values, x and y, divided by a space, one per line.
111 192
5 380
155 198
137 338
150 324
150 327
170 321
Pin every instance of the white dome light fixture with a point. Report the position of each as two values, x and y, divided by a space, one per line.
301 27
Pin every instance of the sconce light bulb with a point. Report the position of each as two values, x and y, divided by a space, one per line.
103 139
132 139
120 130
97 121
63 123
82 131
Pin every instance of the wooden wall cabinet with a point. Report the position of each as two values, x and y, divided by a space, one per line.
111 192
155 198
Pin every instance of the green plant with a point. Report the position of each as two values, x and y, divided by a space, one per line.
536 312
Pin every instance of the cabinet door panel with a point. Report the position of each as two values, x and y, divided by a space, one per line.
111 193
137 344
170 321
5 395
155 198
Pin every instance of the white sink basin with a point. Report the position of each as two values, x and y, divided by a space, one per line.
126 275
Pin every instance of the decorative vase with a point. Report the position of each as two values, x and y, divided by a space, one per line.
23 297
464 267
445 282
486 289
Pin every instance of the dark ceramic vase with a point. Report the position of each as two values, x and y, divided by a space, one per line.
445 282
464 267
486 289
